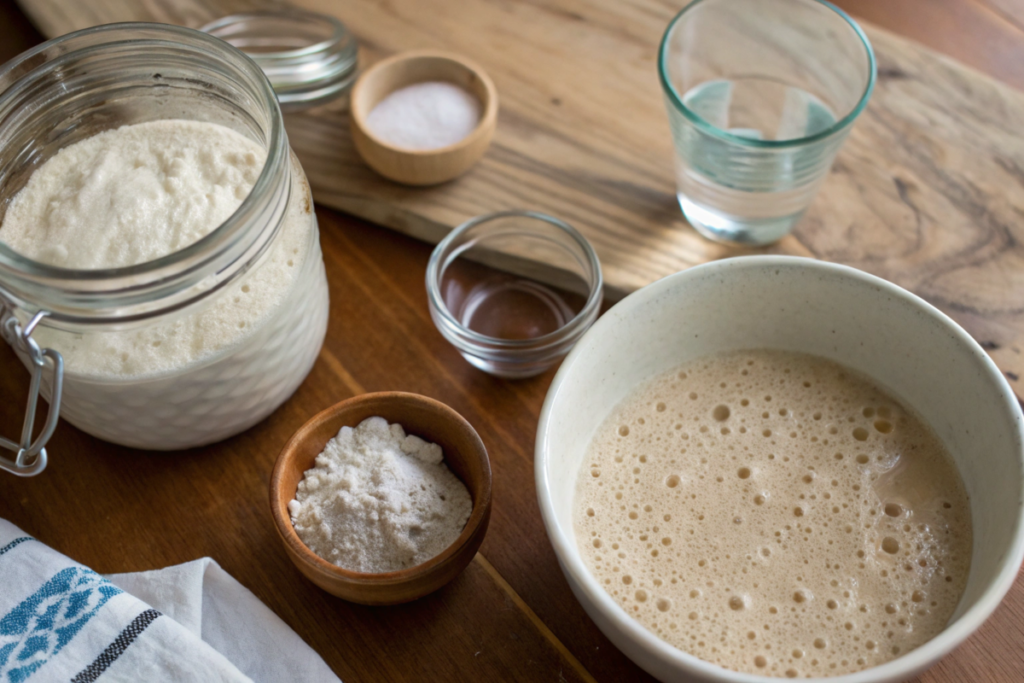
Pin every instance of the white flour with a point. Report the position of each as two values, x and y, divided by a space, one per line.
139 192
378 500
424 116
132 194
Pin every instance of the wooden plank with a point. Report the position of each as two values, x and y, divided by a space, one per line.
928 191
974 32
1010 10
157 509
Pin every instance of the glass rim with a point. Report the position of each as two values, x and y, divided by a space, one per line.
302 77
704 126
436 269
204 253
338 31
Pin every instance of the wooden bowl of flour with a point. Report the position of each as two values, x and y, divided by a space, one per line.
424 166
464 454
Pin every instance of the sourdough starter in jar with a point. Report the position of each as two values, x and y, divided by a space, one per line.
775 513
143 191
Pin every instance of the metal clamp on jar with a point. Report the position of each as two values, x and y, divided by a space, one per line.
30 455
99 79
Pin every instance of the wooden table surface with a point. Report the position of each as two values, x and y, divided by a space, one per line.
510 615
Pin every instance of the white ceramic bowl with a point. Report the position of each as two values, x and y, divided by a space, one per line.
921 356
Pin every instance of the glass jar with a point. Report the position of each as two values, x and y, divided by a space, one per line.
260 271
310 58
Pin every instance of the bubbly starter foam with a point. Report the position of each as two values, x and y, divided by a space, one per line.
775 513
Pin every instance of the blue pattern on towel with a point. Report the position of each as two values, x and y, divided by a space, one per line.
43 624
15 543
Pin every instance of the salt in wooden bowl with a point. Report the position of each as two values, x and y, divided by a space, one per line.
422 167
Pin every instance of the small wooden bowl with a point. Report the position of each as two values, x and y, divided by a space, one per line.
422 167
465 455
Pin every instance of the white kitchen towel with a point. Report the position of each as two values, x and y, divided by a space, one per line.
192 622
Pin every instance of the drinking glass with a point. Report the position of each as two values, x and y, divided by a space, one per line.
760 96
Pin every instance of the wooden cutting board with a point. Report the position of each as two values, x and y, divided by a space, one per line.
927 192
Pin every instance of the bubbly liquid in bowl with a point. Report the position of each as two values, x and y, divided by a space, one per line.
775 513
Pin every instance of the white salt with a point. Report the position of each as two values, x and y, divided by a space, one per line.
425 116
379 500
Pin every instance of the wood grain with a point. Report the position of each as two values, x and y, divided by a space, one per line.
510 616
974 32
928 191
1010 10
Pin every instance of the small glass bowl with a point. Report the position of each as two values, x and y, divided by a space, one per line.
309 58
513 291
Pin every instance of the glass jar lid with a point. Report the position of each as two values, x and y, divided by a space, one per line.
309 58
